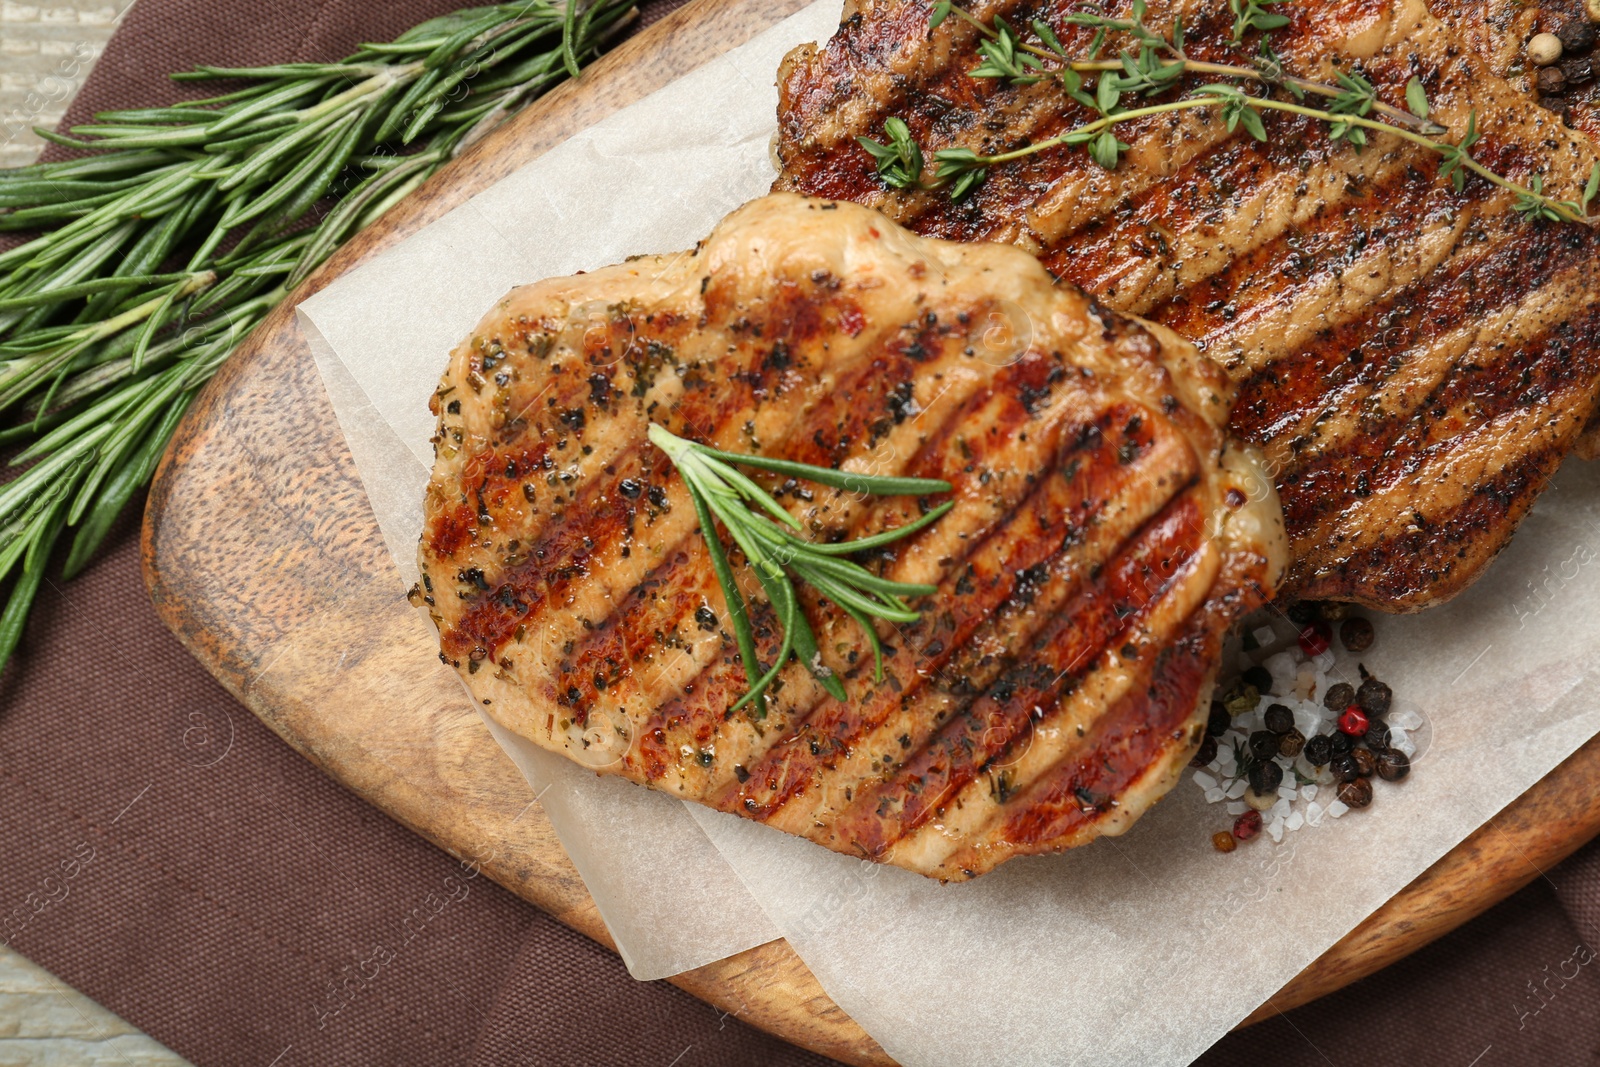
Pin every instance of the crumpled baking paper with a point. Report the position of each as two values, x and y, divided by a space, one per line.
1142 949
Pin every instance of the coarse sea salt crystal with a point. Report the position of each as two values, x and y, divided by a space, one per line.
1309 792
1405 719
1313 814
1275 829
1237 807
1264 635
1280 810
1305 681
1306 720
1204 781
1213 796
1294 821
1288 792
1324 660
1236 788
1338 808
1282 668
1406 745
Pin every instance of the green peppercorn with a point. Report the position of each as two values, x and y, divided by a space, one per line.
1259 677
1280 720
1241 698
1207 752
1263 744
1366 762
1393 765
1319 750
1291 743
1374 698
1356 793
1220 720
1266 776
1340 695
1356 634
1345 768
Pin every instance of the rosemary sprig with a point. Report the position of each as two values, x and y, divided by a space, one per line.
157 255
1156 66
777 556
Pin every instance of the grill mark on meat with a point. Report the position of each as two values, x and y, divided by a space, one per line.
1114 602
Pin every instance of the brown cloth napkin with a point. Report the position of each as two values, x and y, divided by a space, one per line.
167 855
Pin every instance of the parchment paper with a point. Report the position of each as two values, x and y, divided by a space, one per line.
1138 950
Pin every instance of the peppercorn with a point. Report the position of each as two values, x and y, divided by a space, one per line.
1280 720
1374 698
1223 841
1261 801
1247 825
1377 736
1303 612
1552 81
1315 638
1266 776
1577 36
1353 721
1259 677
1340 743
1291 743
1220 720
1577 71
1263 744
1393 765
1207 752
1241 698
1544 49
1356 634
1366 762
1340 695
1319 750
1333 611
1356 793
1345 768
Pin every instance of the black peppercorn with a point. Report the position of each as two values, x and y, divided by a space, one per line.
1259 677
1263 744
1303 612
1345 768
1577 71
1340 695
1551 81
1366 762
1393 765
1280 720
1265 777
1220 720
1340 743
1207 752
1291 743
1356 793
1356 634
1374 698
1377 735
1319 750
1577 36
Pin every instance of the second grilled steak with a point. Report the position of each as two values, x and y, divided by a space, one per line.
1414 362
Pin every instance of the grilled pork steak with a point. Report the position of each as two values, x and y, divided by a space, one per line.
1413 362
1101 541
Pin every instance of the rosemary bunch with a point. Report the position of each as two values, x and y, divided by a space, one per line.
156 255
1153 67
720 492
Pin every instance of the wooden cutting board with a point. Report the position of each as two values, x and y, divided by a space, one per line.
262 555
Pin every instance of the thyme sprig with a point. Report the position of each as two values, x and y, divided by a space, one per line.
1154 66
156 256
777 556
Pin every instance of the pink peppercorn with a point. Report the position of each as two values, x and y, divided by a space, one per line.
1315 638
1354 721
1247 825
